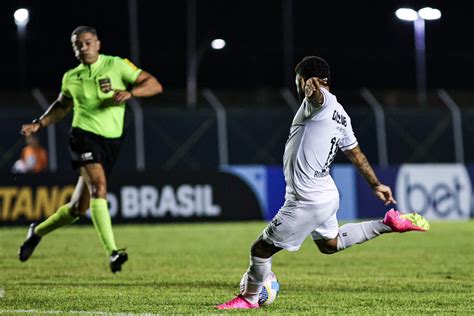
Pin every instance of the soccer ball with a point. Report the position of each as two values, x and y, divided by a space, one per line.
269 291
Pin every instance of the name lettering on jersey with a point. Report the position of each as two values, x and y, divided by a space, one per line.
321 174
339 118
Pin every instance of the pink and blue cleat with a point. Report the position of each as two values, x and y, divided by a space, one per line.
405 222
239 302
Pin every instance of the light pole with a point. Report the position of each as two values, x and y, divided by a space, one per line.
418 19
194 55
288 42
21 17
193 68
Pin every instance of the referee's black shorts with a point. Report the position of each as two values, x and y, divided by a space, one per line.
86 147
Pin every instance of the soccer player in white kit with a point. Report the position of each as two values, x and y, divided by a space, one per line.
320 127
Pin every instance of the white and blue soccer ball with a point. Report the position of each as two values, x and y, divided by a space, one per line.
269 291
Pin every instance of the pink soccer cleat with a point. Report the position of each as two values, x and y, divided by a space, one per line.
239 302
405 222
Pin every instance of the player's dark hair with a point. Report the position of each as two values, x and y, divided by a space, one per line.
313 66
84 29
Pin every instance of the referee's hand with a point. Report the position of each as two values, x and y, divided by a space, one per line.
29 129
122 96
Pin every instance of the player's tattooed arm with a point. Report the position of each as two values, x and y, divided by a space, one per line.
56 112
358 159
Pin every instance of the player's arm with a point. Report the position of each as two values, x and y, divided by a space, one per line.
56 112
312 91
358 159
146 85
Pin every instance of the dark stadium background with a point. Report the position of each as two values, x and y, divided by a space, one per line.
364 42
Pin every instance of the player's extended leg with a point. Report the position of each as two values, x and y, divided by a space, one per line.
260 266
357 233
95 179
66 214
287 230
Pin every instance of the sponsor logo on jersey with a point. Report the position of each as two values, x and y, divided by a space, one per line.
276 223
132 65
87 156
77 80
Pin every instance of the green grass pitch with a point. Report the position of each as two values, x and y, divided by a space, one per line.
185 268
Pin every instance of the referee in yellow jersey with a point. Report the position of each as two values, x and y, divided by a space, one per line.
97 90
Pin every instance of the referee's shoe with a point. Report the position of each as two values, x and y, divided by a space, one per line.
29 245
117 258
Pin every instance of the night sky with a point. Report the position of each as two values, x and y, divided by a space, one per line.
363 41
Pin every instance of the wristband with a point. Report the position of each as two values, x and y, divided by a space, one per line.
130 90
38 121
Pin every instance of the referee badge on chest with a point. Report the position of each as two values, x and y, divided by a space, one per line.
105 89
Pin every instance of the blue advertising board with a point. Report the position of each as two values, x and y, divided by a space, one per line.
437 191
268 184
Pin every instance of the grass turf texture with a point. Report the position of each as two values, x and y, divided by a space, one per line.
187 268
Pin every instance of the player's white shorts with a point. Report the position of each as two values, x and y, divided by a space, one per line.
296 220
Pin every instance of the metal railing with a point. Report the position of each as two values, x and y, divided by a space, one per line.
380 125
457 124
256 135
221 126
52 153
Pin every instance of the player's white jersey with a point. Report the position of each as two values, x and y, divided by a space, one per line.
315 136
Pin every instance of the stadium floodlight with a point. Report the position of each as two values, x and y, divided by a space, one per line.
429 13
218 43
418 19
22 17
193 67
406 14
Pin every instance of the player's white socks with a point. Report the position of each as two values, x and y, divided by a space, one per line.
357 233
257 272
